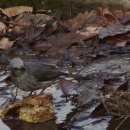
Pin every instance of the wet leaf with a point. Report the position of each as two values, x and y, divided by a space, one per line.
99 111
13 11
114 30
21 125
33 109
67 86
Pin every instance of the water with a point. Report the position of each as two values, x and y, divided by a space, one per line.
66 112
62 107
3 126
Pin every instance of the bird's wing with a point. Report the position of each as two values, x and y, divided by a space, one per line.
28 83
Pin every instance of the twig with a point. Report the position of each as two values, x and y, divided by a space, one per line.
125 118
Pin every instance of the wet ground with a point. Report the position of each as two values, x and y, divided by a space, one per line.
71 114
102 62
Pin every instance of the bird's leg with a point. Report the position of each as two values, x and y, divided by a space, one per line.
30 94
42 91
11 102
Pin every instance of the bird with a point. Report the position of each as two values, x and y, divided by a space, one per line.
28 75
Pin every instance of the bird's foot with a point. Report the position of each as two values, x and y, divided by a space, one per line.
29 95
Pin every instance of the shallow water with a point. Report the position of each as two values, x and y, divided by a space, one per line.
3 126
66 112
62 107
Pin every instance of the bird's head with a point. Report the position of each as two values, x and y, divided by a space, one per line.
17 66
17 63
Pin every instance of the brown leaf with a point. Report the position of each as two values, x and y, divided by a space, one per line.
89 31
33 109
81 20
120 40
114 30
13 11
66 39
30 25
111 88
39 46
67 86
6 44
117 103
118 14
109 18
41 19
98 111
55 52
2 28
125 18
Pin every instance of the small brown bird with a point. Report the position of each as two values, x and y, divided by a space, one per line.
28 75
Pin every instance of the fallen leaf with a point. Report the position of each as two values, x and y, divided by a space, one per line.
67 39
119 14
2 28
21 22
108 18
89 31
30 25
13 11
32 109
114 30
67 86
55 52
41 19
125 18
81 20
6 44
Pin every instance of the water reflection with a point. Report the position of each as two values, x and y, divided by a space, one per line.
20 125
3 126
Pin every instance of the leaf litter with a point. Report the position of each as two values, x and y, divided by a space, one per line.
94 45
